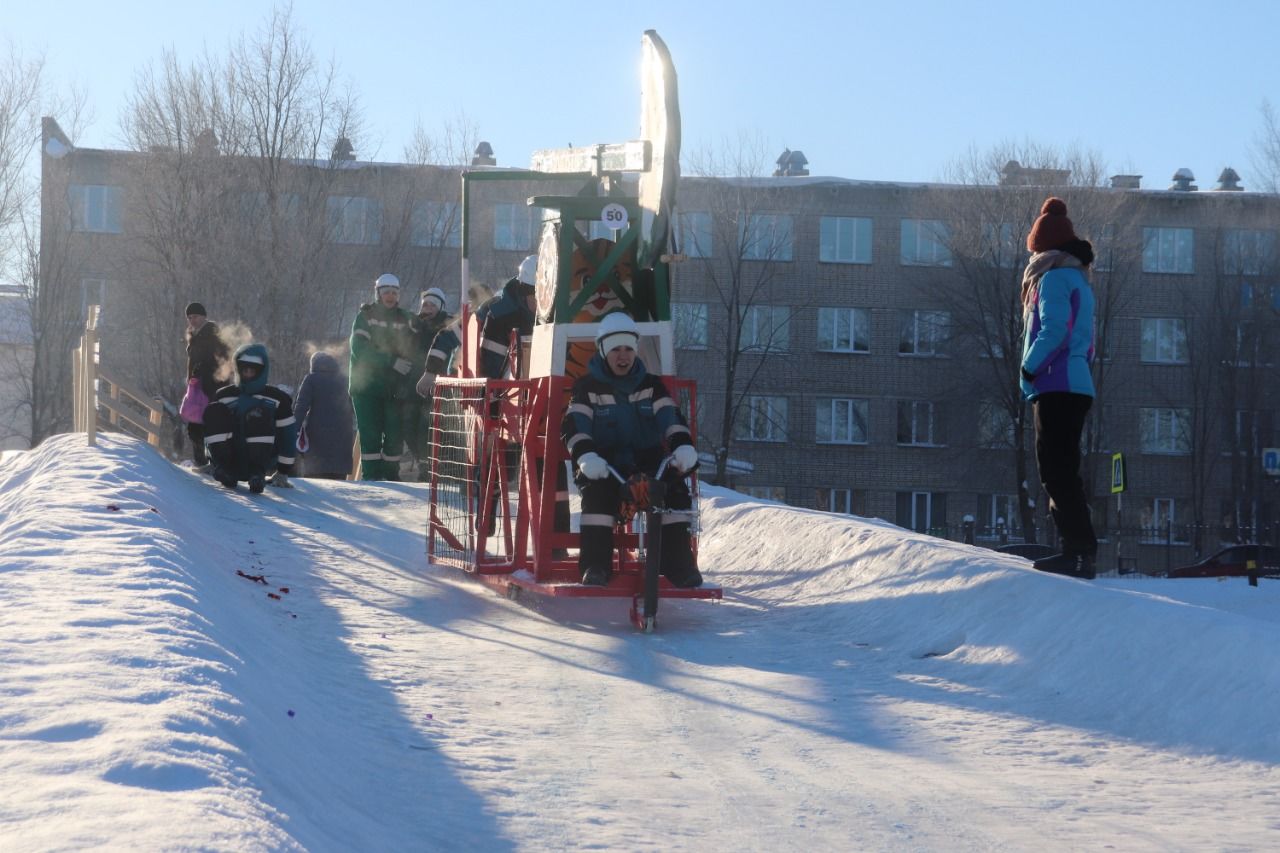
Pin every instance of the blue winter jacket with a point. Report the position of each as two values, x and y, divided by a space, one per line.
1058 341
625 419
324 411
244 395
496 319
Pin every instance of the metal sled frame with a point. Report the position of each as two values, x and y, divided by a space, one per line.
508 540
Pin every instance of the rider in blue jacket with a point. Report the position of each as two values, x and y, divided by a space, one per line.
249 426
622 416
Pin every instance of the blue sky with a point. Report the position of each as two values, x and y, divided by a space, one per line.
884 90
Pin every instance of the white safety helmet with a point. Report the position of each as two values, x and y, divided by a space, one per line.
384 281
435 294
528 272
616 330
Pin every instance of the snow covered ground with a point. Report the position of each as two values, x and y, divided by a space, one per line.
859 688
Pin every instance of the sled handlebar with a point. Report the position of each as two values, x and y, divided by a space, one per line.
662 469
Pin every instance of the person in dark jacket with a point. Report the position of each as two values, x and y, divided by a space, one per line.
510 310
431 321
206 355
1057 354
381 353
249 426
623 417
326 420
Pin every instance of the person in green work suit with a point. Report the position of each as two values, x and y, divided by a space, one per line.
381 364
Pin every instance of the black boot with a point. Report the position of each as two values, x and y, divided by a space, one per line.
678 565
1071 565
595 576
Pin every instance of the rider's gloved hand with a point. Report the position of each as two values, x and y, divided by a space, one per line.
684 457
593 466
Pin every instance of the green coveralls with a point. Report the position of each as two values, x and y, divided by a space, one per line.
379 336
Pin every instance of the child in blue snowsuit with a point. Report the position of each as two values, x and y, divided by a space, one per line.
250 430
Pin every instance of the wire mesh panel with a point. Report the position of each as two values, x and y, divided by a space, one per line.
477 429
457 431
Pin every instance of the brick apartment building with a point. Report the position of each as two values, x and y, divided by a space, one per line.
866 381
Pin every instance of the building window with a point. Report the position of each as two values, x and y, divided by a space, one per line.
1253 344
256 210
93 291
992 340
762 418
513 227
918 423
695 234
766 328
1164 340
1251 430
436 223
844 330
766 237
924 243
923 332
1001 245
841 420
998 517
765 493
1160 524
844 240
1104 248
924 512
598 229
1247 252
355 220
689 320
843 501
1168 250
1165 430
995 426
95 208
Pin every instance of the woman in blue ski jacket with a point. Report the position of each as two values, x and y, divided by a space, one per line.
1057 355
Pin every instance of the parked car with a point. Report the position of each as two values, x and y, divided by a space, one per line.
1231 562
1030 550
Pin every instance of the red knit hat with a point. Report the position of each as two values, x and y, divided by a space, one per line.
1052 229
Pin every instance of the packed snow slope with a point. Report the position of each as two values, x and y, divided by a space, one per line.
861 687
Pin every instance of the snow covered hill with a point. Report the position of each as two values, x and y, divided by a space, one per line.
861 687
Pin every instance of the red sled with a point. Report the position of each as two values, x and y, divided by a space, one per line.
498 471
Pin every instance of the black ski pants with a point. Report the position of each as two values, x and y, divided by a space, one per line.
1059 422
241 445
601 500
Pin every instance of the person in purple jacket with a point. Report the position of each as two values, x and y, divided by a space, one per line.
1057 354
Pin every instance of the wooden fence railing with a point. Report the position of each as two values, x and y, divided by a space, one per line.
104 402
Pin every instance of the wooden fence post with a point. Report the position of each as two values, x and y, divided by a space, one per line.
89 375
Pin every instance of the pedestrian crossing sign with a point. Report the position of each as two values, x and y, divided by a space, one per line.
1117 473
1271 460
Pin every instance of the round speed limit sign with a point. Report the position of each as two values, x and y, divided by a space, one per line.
614 217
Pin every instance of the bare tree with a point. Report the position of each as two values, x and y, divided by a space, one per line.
243 152
38 378
21 97
737 228
423 209
1266 150
987 206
